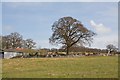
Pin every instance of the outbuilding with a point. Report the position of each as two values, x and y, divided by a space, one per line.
10 53
1 54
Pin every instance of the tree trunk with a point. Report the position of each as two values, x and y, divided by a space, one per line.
67 50
109 52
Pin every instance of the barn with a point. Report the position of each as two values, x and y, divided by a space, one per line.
9 53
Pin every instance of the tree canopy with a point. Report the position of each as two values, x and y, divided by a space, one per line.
69 31
15 40
111 48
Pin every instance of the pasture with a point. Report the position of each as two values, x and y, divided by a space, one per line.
82 67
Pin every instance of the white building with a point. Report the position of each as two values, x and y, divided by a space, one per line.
11 53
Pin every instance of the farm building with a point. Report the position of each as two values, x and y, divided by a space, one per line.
1 54
18 53
9 53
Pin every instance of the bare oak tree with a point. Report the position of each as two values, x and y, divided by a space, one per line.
13 40
69 31
29 43
6 44
16 40
111 48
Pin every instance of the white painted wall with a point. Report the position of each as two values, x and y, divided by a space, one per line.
8 55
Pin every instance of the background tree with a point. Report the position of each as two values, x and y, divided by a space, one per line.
15 39
29 43
69 31
111 48
6 43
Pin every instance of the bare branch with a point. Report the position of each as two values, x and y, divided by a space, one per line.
69 32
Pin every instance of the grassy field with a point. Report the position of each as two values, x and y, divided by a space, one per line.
83 67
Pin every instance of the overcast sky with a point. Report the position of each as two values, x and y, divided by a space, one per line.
34 19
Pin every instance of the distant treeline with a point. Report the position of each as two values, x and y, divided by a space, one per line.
78 49
15 40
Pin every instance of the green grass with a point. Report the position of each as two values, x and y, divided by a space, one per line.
83 67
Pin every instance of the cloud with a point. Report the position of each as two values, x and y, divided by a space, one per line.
102 41
105 36
100 28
